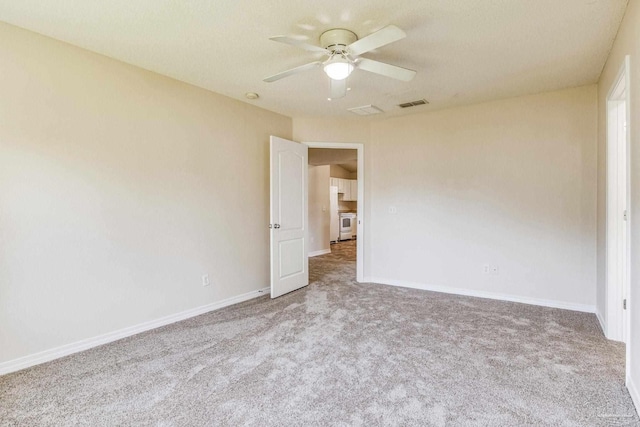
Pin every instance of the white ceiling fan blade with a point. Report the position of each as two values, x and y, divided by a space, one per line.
338 88
300 44
293 71
387 70
386 35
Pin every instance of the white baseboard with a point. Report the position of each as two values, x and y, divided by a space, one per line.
320 252
65 350
483 294
635 394
601 321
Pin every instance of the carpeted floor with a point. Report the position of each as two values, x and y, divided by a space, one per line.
339 353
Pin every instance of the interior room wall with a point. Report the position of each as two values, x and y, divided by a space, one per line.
119 189
627 43
508 184
339 172
319 219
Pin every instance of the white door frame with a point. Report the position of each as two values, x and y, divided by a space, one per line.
361 212
617 228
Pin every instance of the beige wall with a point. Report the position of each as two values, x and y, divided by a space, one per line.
119 189
627 43
340 172
319 220
317 129
510 183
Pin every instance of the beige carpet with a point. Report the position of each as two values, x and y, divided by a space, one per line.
339 353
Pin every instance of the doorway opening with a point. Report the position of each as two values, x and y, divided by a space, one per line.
617 218
336 210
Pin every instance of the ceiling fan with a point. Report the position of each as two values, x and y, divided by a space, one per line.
343 50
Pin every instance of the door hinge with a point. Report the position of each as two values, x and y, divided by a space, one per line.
624 304
624 215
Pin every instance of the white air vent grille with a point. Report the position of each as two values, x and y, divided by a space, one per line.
366 110
413 103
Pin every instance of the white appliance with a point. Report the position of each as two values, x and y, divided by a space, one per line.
334 229
347 226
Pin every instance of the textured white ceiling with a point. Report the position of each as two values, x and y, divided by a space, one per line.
465 51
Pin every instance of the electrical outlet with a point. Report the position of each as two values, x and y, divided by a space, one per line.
205 280
495 270
486 269
393 210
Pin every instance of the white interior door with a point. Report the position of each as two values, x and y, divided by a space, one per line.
289 260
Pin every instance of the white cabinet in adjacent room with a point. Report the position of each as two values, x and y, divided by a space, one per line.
342 185
347 190
347 187
354 189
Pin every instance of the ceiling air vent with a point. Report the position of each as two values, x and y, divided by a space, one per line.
366 110
413 103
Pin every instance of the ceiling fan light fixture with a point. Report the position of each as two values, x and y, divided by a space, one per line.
338 68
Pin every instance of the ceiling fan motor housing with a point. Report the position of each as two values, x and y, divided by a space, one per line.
337 39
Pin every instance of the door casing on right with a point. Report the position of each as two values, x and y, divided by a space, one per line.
618 215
